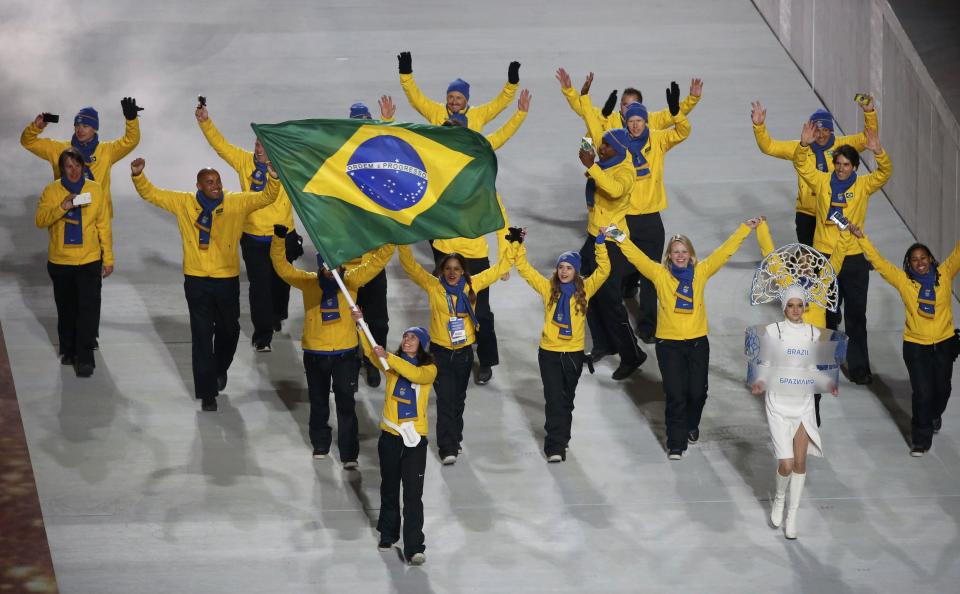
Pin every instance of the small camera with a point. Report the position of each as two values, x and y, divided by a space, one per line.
202 100
51 118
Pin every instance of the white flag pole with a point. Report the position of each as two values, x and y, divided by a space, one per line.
362 323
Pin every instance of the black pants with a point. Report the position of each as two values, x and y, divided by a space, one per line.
341 371
453 376
372 299
487 352
214 305
269 295
646 232
76 291
853 282
683 366
400 465
806 225
560 373
606 315
930 368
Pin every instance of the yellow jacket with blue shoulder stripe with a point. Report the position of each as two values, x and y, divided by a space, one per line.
437 113
97 240
422 376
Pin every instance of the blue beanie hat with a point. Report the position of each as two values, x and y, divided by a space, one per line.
89 117
635 109
422 335
618 139
359 111
461 86
571 258
822 117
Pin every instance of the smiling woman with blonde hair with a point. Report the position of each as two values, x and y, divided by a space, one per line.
683 350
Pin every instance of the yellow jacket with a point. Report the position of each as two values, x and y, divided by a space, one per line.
827 235
785 149
336 335
659 120
222 258
678 326
436 113
550 339
919 329
422 375
261 221
439 311
97 231
648 194
106 154
612 197
814 314
477 247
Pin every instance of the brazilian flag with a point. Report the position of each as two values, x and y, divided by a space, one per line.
359 184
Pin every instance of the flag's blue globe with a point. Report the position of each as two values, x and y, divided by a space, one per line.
389 171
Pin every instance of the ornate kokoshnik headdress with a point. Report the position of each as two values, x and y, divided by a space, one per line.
795 264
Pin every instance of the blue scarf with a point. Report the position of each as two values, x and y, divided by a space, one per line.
684 291
463 308
329 300
73 228
459 117
820 152
636 149
561 313
590 191
838 193
204 222
405 394
86 149
927 296
259 176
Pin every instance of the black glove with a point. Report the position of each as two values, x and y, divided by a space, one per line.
515 234
280 231
513 73
406 62
673 98
610 104
294 245
130 109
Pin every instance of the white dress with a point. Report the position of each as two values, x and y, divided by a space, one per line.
786 412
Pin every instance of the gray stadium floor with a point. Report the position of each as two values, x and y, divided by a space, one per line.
143 493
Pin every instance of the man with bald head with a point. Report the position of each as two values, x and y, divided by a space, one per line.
211 224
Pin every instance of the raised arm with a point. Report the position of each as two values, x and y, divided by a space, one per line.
506 131
121 147
781 149
644 265
764 238
593 119
491 275
434 112
166 199
537 281
491 109
592 283
231 153
662 120
678 133
859 141
876 179
45 148
290 274
414 270
728 248
251 201
369 267
805 165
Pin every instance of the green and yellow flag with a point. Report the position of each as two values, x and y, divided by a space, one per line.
358 184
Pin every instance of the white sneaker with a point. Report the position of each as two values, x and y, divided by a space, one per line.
552 458
675 455
448 461
418 559
351 465
318 455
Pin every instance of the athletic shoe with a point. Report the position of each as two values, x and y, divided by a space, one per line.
449 460
209 404
84 369
917 451
554 458
693 436
484 375
319 454
350 465
384 546
66 360
675 454
625 370
263 348
417 559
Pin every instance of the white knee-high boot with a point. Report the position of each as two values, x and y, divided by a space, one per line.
796 489
776 508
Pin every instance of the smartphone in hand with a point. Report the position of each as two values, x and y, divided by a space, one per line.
202 100
839 220
51 118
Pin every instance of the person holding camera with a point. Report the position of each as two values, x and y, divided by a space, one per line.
98 157
476 253
457 105
211 223
268 294
329 343
842 197
683 348
565 299
930 343
80 253
648 197
823 147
